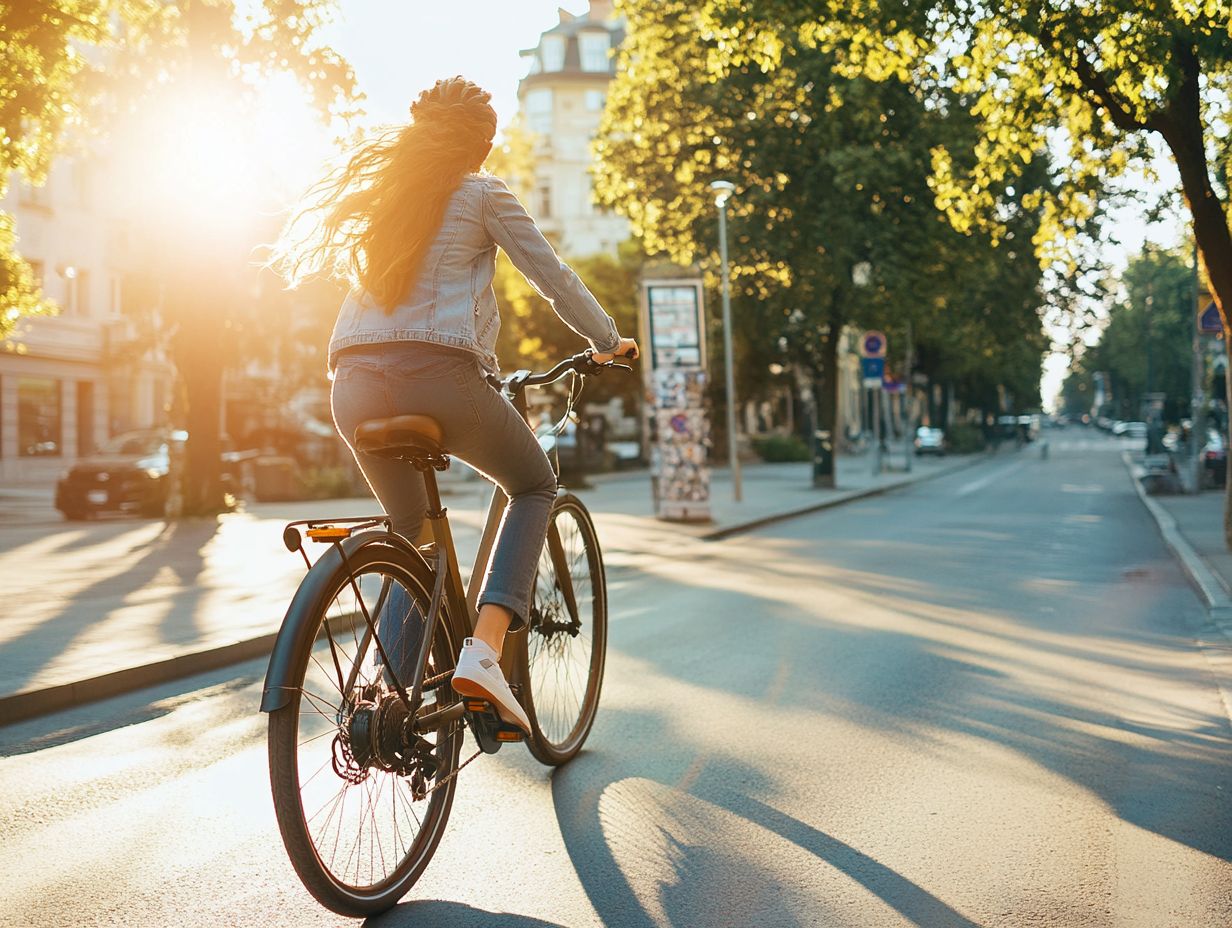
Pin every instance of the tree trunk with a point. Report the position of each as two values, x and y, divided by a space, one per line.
1182 129
200 363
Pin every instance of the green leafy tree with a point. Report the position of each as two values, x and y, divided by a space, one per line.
1145 345
43 76
831 172
1104 79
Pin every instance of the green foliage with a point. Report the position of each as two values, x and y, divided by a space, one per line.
327 482
777 448
832 169
1145 346
964 438
533 336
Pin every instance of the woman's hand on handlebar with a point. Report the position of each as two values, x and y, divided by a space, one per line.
627 350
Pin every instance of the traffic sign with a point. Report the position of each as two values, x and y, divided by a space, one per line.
873 344
1209 321
872 370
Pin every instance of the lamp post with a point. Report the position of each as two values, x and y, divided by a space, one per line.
861 277
722 193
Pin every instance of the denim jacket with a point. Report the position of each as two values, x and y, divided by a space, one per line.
452 302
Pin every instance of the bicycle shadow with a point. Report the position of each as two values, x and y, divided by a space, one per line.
655 845
440 914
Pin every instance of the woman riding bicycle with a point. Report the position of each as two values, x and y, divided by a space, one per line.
413 225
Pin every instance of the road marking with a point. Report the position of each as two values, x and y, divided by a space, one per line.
982 482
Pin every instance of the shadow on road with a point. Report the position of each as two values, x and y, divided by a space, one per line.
437 914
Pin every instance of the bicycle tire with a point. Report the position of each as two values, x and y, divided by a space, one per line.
553 658
288 726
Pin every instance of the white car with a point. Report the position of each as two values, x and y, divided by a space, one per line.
929 441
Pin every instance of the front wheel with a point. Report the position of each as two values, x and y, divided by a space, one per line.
566 636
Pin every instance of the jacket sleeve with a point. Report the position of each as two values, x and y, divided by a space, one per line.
507 221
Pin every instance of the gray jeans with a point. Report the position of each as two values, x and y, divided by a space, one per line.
481 428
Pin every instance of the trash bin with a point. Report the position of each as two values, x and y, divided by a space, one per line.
276 479
823 458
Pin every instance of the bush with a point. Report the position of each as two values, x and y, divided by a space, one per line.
327 483
965 438
779 448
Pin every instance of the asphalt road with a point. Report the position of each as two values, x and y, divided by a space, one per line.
986 700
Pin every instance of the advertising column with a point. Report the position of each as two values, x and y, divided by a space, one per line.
679 427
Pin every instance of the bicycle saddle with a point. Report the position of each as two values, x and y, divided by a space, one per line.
401 437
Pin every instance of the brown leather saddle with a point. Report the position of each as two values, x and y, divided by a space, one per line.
418 439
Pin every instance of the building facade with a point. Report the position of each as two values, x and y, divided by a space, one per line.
560 103
71 381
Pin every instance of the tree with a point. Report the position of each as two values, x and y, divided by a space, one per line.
42 73
831 171
1102 77
1145 345
200 61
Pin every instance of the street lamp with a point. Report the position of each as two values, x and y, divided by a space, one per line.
723 190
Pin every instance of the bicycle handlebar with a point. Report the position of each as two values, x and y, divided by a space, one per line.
581 363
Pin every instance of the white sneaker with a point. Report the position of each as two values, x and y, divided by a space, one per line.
479 676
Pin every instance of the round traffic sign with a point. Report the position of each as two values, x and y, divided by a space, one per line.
873 344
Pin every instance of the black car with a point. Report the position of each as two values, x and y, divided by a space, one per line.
128 474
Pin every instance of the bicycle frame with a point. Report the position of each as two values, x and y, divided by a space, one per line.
447 587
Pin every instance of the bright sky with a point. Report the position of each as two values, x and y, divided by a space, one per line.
400 47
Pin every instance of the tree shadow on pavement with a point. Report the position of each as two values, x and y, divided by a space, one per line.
179 548
440 914
1076 663
701 853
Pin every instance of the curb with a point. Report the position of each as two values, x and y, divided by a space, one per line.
18 707
28 704
849 496
1204 580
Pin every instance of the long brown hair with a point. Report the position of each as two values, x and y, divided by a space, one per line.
372 220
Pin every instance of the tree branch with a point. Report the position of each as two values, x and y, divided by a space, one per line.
1097 86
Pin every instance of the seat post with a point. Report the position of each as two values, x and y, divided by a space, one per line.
435 509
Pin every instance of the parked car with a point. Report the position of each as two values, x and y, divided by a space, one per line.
128 474
1130 429
1215 459
929 441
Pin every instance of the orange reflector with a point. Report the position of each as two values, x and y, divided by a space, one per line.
508 736
328 534
476 705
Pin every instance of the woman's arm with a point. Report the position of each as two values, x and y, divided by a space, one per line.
513 230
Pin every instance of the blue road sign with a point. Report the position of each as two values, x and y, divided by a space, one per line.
873 344
872 370
1209 320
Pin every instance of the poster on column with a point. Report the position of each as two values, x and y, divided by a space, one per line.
679 426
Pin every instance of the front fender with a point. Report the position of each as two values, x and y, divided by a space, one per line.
299 630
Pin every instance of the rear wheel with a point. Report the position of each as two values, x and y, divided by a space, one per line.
566 636
361 800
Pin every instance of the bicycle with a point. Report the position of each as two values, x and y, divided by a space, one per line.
358 684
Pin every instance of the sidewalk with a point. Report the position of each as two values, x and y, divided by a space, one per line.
1192 526
98 608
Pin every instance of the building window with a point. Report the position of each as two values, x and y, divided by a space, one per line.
38 417
593 48
76 291
39 197
595 100
83 292
543 200
539 110
552 51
